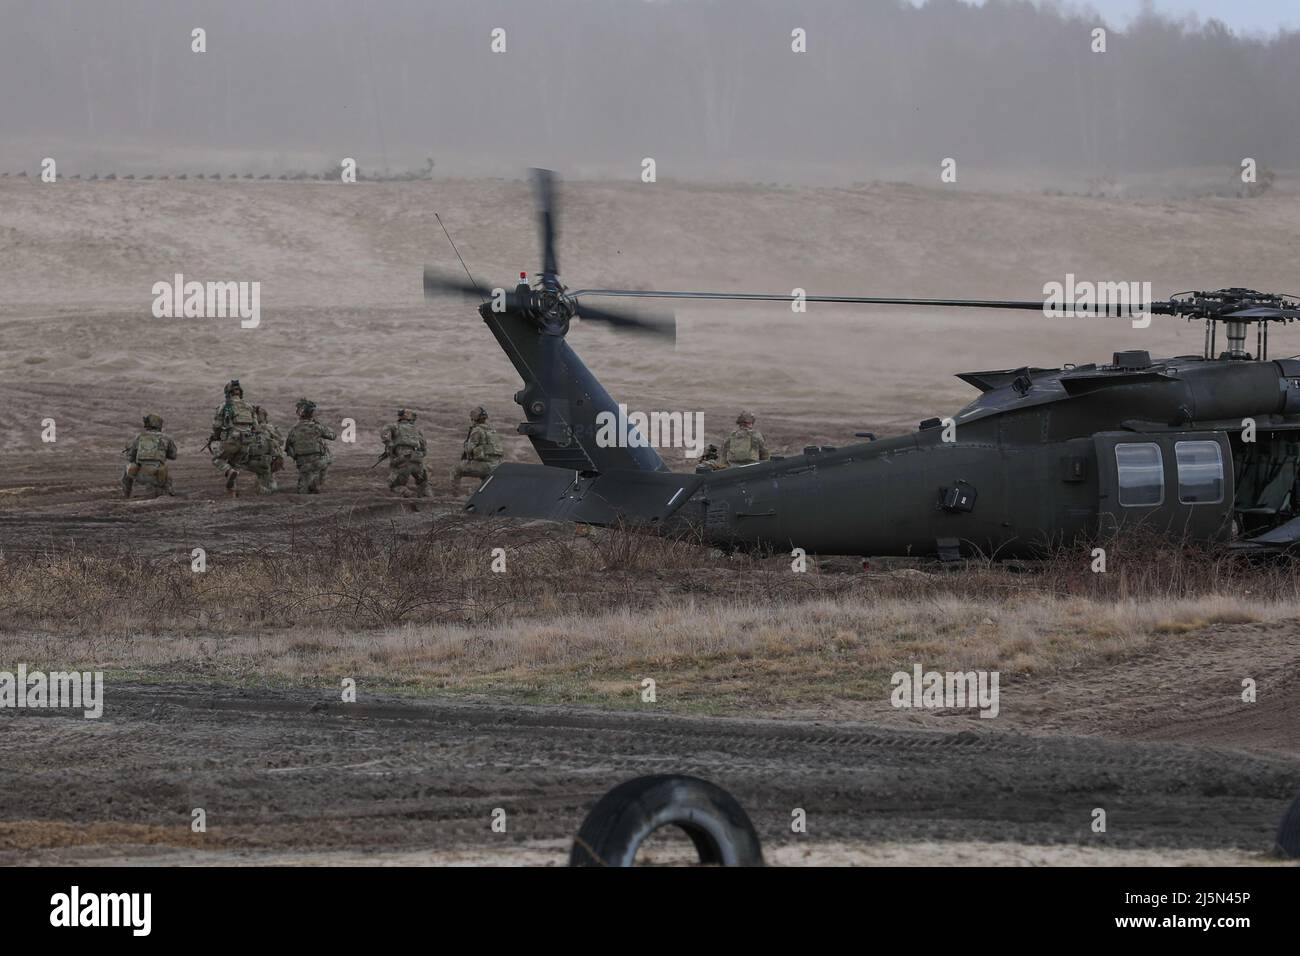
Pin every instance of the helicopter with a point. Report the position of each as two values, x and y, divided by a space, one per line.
1201 447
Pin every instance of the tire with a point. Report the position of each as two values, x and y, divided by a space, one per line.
623 818
1288 834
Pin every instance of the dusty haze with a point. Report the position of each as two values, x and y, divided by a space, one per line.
709 89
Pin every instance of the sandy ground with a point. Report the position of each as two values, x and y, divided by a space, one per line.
1189 776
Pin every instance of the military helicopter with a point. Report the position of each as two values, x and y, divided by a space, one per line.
1203 447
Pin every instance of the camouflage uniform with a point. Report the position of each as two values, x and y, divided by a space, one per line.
405 447
306 446
147 459
234 426
265 454
745 445
482 451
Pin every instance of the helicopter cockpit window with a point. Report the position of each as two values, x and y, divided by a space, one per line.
1200 472
1141 474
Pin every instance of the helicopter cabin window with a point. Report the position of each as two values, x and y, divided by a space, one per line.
1200 472
1141 474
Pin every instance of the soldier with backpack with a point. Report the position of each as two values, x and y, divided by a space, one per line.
745 445
265 454
307 447
234 425
405 447
482 451
147 459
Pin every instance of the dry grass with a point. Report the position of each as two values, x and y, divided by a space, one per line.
585 618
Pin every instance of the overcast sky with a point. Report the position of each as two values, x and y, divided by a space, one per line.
1252 16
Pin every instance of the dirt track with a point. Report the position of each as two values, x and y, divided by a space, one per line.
299 773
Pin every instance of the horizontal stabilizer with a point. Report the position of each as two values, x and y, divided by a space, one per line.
540 491
1282 538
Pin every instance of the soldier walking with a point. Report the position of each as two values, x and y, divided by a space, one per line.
307 447
405 447
234 426
265 453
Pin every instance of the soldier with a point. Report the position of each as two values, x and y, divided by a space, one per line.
404 447
265 455
234 426
306 446
147 459
745 445
482 451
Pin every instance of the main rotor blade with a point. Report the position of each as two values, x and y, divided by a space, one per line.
440 283
1264 312
544 192
1026 304
658 324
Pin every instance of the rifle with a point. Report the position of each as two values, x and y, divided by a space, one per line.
381 458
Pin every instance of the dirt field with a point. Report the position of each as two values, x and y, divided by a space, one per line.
294 773
522 693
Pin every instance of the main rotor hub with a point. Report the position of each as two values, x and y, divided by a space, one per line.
1219 303
553 309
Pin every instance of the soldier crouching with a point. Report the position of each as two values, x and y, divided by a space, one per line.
481 453
147 458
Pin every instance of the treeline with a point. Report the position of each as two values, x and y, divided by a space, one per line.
883 83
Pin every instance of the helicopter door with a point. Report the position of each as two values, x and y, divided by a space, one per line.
1181 482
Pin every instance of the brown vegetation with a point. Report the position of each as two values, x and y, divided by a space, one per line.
584 617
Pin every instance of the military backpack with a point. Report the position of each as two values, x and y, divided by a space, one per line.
305 439
150 447
741 447
406 435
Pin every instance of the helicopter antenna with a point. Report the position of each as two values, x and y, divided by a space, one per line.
457 251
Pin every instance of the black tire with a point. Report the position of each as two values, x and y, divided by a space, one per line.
1288 834
623 818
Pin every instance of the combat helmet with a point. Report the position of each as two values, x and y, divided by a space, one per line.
478 414
405 415
306 408
233 386
745 417
153 422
